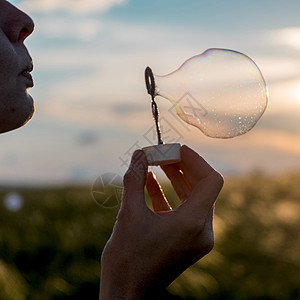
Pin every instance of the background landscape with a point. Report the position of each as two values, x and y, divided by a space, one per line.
51 242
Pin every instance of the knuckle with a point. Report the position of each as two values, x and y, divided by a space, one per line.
205 245
209 243
218 179
193 226
127 178
130 177
135 175
201 238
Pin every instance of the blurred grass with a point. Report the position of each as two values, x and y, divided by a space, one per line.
50 248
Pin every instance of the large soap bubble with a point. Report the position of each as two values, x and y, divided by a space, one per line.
222 92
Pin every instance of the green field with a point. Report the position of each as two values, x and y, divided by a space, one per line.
50 247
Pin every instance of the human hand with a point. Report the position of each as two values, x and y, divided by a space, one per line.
149 249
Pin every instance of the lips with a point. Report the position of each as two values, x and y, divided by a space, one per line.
26 74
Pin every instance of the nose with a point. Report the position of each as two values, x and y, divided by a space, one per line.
18 25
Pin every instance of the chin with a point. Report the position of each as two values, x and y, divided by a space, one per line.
17 117
28 116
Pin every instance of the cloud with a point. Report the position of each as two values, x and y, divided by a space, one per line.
277 68
105 76
280 141
75 6
271 151
289 36
82 29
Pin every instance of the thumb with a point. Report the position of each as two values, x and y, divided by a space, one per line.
134 181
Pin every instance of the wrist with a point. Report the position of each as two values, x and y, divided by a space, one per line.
111 289
117 284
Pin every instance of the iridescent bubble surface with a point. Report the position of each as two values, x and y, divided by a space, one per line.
222 92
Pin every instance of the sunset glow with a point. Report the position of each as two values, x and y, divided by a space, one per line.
92 107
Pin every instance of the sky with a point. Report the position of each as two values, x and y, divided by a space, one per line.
92 108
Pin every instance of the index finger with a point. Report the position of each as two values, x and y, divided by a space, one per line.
193 166
203 196
206 182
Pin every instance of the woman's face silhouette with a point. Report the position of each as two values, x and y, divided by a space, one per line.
16 105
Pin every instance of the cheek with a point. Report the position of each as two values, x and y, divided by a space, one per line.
7 52
8 65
